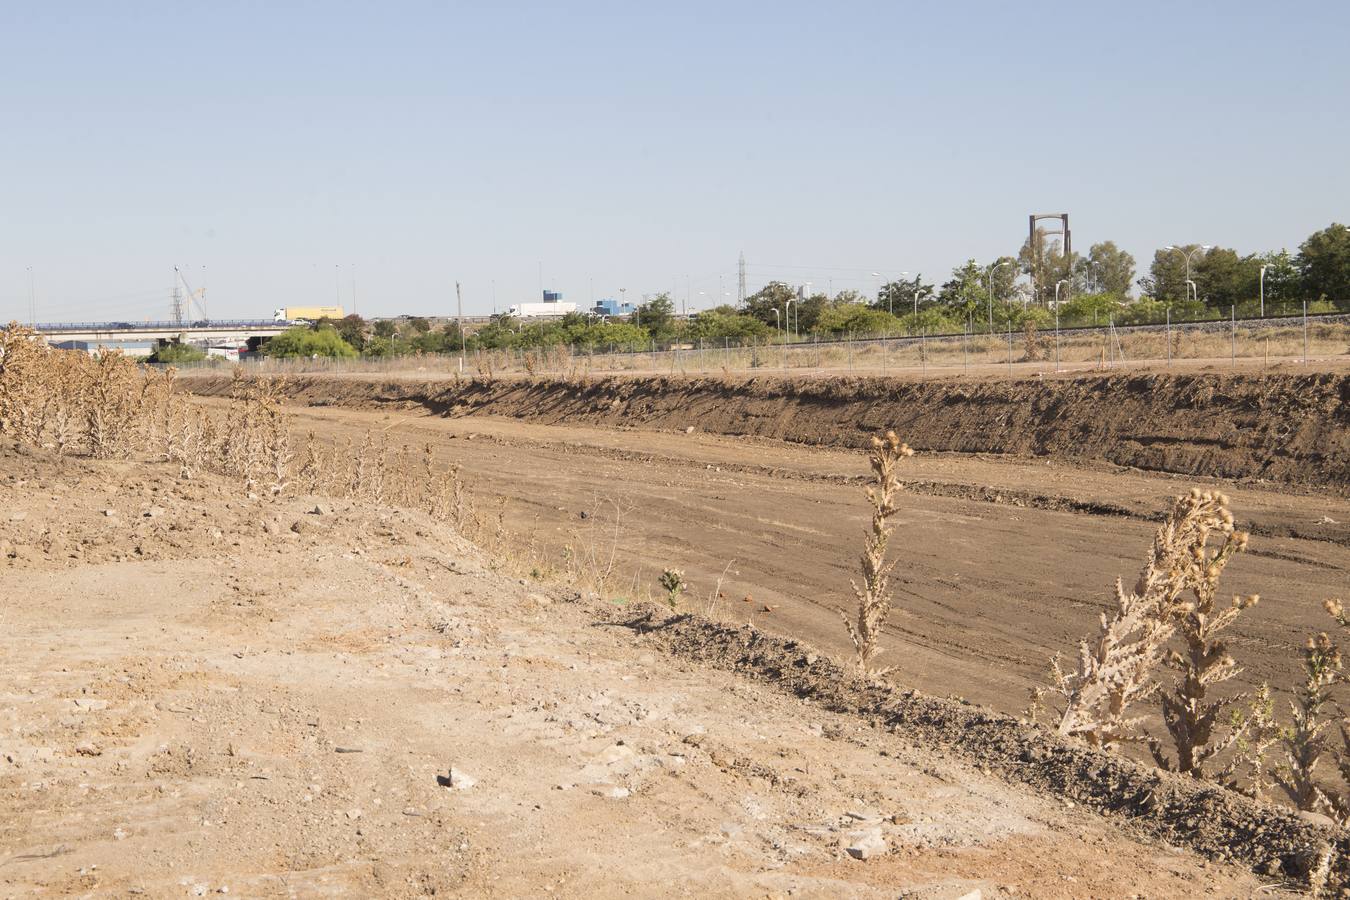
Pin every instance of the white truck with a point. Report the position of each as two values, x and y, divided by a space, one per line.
540 310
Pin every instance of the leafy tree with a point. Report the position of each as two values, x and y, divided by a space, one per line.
1004 276
1324 263
603 335
498 334
386 328
964 294
1043 258
1166 279
725 323
305 342
1224 279
1090 309
1108 270
657 315
418 323
897 297
855 318
773 296
353 330
432 342
379 347
1143 311
176 354
806 312
1283 281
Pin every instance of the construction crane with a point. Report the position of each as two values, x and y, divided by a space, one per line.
193 297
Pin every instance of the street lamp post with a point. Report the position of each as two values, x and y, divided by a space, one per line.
778 323
1190 285
1057 284
1263 291
917 295
787 315
1001 262
890 298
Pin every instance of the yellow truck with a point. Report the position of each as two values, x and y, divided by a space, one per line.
307 313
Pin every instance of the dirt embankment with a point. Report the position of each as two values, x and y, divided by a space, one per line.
203 693
1285 427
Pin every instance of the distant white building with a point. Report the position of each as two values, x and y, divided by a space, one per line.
93 348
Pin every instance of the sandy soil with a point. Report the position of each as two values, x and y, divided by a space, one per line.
1004 561
203 694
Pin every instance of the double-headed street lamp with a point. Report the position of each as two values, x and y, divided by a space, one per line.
1263 290
890 298
1190 284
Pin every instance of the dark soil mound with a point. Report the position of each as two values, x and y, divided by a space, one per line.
1282 427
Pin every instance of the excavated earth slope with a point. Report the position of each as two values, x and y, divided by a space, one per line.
1289 428
204 693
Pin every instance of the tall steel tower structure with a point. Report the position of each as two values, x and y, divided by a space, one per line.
176 303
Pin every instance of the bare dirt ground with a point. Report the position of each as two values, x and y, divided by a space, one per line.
205 694
1290 428
1004 561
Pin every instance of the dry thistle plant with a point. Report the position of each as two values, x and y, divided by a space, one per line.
1305 739
1256 732
873 595
1189 712
672 582
311 469
111 405
1114 671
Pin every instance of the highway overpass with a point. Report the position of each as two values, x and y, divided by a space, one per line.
209 332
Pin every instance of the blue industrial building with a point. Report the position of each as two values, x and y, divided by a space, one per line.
611 307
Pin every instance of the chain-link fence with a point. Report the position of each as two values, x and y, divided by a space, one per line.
1030 350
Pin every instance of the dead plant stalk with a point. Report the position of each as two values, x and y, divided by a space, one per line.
873 594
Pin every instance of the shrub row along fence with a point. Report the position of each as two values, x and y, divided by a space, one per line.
1028 351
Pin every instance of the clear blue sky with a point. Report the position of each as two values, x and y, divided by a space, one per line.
259 145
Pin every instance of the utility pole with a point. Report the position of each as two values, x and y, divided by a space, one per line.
740 292
353 288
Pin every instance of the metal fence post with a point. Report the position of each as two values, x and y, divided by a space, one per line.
1169 337
1010 343
1305 332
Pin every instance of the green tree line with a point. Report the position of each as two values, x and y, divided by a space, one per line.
1010 292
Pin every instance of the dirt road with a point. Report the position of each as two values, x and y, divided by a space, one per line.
1003 562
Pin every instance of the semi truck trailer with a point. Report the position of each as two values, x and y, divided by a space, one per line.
307 313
